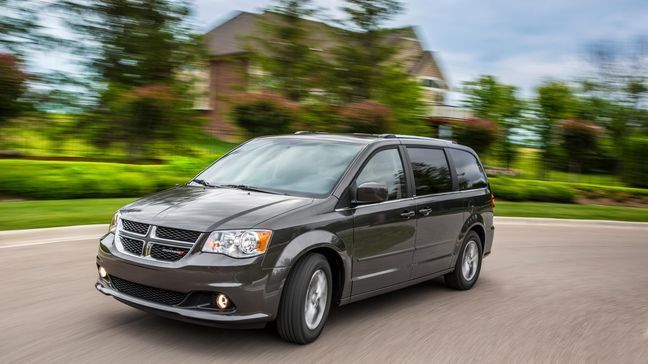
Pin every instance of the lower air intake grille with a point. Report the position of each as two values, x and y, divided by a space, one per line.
168 253
177 234
153 294
132 246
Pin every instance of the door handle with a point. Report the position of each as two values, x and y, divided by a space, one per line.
408 214
425 211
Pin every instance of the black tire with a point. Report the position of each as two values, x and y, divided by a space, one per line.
291 318
456 279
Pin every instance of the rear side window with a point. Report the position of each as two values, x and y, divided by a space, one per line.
431 172
469 173
385 167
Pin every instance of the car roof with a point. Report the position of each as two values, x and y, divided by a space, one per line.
367 138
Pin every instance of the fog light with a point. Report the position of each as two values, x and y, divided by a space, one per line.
102 272
222 301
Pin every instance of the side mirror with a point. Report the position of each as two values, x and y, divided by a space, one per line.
370 192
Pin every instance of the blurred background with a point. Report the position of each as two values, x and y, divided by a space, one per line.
110 100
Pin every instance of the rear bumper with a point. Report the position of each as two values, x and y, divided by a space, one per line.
254 292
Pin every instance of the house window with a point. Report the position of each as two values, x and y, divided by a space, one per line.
431 82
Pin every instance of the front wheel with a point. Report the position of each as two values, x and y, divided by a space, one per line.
468 264
306 300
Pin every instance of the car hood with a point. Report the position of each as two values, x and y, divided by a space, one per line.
207 209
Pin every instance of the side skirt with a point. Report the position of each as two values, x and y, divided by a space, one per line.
393 287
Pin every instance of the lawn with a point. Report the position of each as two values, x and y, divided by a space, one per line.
36 214
40 214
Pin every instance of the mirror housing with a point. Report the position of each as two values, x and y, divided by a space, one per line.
370 192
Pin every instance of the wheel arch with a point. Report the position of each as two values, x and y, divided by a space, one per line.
331 247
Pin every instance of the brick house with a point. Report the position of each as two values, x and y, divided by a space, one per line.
229 65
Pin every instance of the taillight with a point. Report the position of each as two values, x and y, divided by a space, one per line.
492 201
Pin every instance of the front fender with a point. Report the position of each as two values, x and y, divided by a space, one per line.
323 241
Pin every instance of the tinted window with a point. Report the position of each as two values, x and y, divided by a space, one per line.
385 167
287 165
469 173
431 172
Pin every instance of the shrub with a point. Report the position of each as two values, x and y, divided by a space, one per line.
531 190
578 138
635 167
365 117
479 134
264 114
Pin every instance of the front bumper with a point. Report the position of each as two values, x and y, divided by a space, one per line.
255 292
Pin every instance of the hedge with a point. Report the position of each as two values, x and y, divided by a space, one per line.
64 180
531 190
513 189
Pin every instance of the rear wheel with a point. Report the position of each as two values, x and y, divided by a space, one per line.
468 264
306 300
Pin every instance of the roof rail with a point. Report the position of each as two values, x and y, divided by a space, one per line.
300 132
404 136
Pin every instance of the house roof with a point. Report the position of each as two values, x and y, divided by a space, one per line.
228 38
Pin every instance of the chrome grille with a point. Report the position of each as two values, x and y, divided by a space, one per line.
132 246
177 234
135 227
167 252
146 292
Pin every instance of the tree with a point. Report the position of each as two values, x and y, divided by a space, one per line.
143 48
479 134
12 86
19 28
579 140
368 116
284 51
265 114
498 102
555 101
364 57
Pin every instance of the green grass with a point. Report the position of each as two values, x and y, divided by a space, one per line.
39 214
570 211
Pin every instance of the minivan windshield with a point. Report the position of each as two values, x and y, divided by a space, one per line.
283 165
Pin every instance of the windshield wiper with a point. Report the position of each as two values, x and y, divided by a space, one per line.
251 188
202 182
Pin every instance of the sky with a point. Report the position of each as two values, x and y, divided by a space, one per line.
521 42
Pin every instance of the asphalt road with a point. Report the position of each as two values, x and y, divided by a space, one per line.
551 291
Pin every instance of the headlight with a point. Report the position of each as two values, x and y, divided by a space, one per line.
114 223
238 243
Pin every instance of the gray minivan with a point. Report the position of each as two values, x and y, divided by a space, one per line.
282 228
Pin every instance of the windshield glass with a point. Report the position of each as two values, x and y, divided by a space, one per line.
310 167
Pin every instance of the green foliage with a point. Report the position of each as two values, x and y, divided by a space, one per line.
141 55
363 58
579 140
62 180
528 190
404 98
570 211
264 114
365 117
479 134
284 51
12 86
489 99
635 166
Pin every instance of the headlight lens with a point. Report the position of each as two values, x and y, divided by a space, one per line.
238 243
114 223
